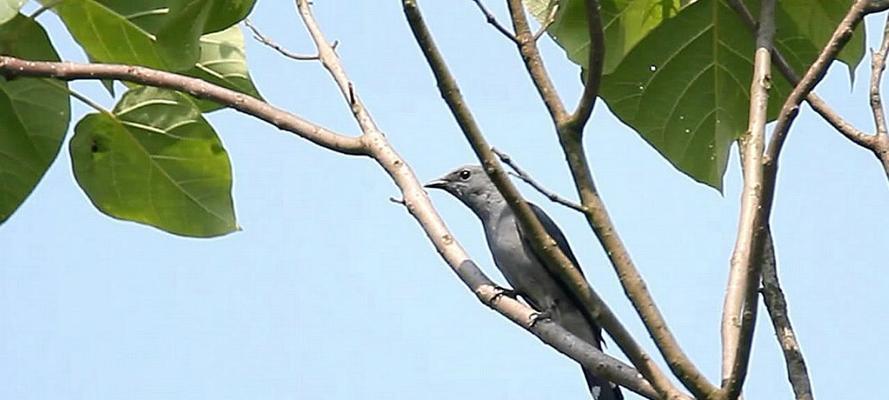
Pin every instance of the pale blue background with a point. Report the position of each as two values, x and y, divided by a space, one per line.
333 292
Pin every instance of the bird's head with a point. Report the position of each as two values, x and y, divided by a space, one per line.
470 185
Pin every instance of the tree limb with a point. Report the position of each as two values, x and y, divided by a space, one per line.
739 309
571 139
12 67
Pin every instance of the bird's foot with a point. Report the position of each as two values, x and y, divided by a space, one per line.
502 291
541 316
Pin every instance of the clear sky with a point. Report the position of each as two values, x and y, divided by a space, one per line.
333 292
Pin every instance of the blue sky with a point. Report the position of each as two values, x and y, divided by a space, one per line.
333 292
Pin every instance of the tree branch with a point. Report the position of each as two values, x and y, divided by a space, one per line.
541 240
11 67
595 62
773 297
807 83
571 140
739 309
819 105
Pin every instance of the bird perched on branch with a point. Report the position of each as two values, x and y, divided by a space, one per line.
522 266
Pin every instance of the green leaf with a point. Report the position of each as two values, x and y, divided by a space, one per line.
224 63
34 115
155 160
9 9
626 22
685 86
817 19
161 34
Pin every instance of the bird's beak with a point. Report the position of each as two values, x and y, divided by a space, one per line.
436 184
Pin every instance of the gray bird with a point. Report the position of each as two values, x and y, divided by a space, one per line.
522 267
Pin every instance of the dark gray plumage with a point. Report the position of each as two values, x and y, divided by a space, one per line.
521 266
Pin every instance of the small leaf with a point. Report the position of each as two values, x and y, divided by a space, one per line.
155 160
9 9
34 115
224 63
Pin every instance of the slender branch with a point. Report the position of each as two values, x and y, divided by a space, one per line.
262 38
15 67
527 47
880 147
807 83
595 62
553 255
878 65
491 19
739 310
631 280
524 176
773 297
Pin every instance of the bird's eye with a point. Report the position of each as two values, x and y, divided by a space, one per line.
465 174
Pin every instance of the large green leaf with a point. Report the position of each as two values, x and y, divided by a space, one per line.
685 87
817 19
626 22
9 9
157 161
224 63
156 33
34 115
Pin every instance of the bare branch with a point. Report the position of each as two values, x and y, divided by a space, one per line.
548 22
739 310
524 176
13 67
554 256
880 147
491 19
261 38
595 62
807 83
634 285
527 47
773 297
878 65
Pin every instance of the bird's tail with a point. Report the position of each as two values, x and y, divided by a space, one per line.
600 388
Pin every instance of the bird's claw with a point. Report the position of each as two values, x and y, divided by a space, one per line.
541 316
502 291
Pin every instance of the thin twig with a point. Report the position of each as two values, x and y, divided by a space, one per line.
739 310
776 304
491 19
553 256
261 38
525 177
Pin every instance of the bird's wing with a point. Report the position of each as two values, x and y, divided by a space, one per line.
553 230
